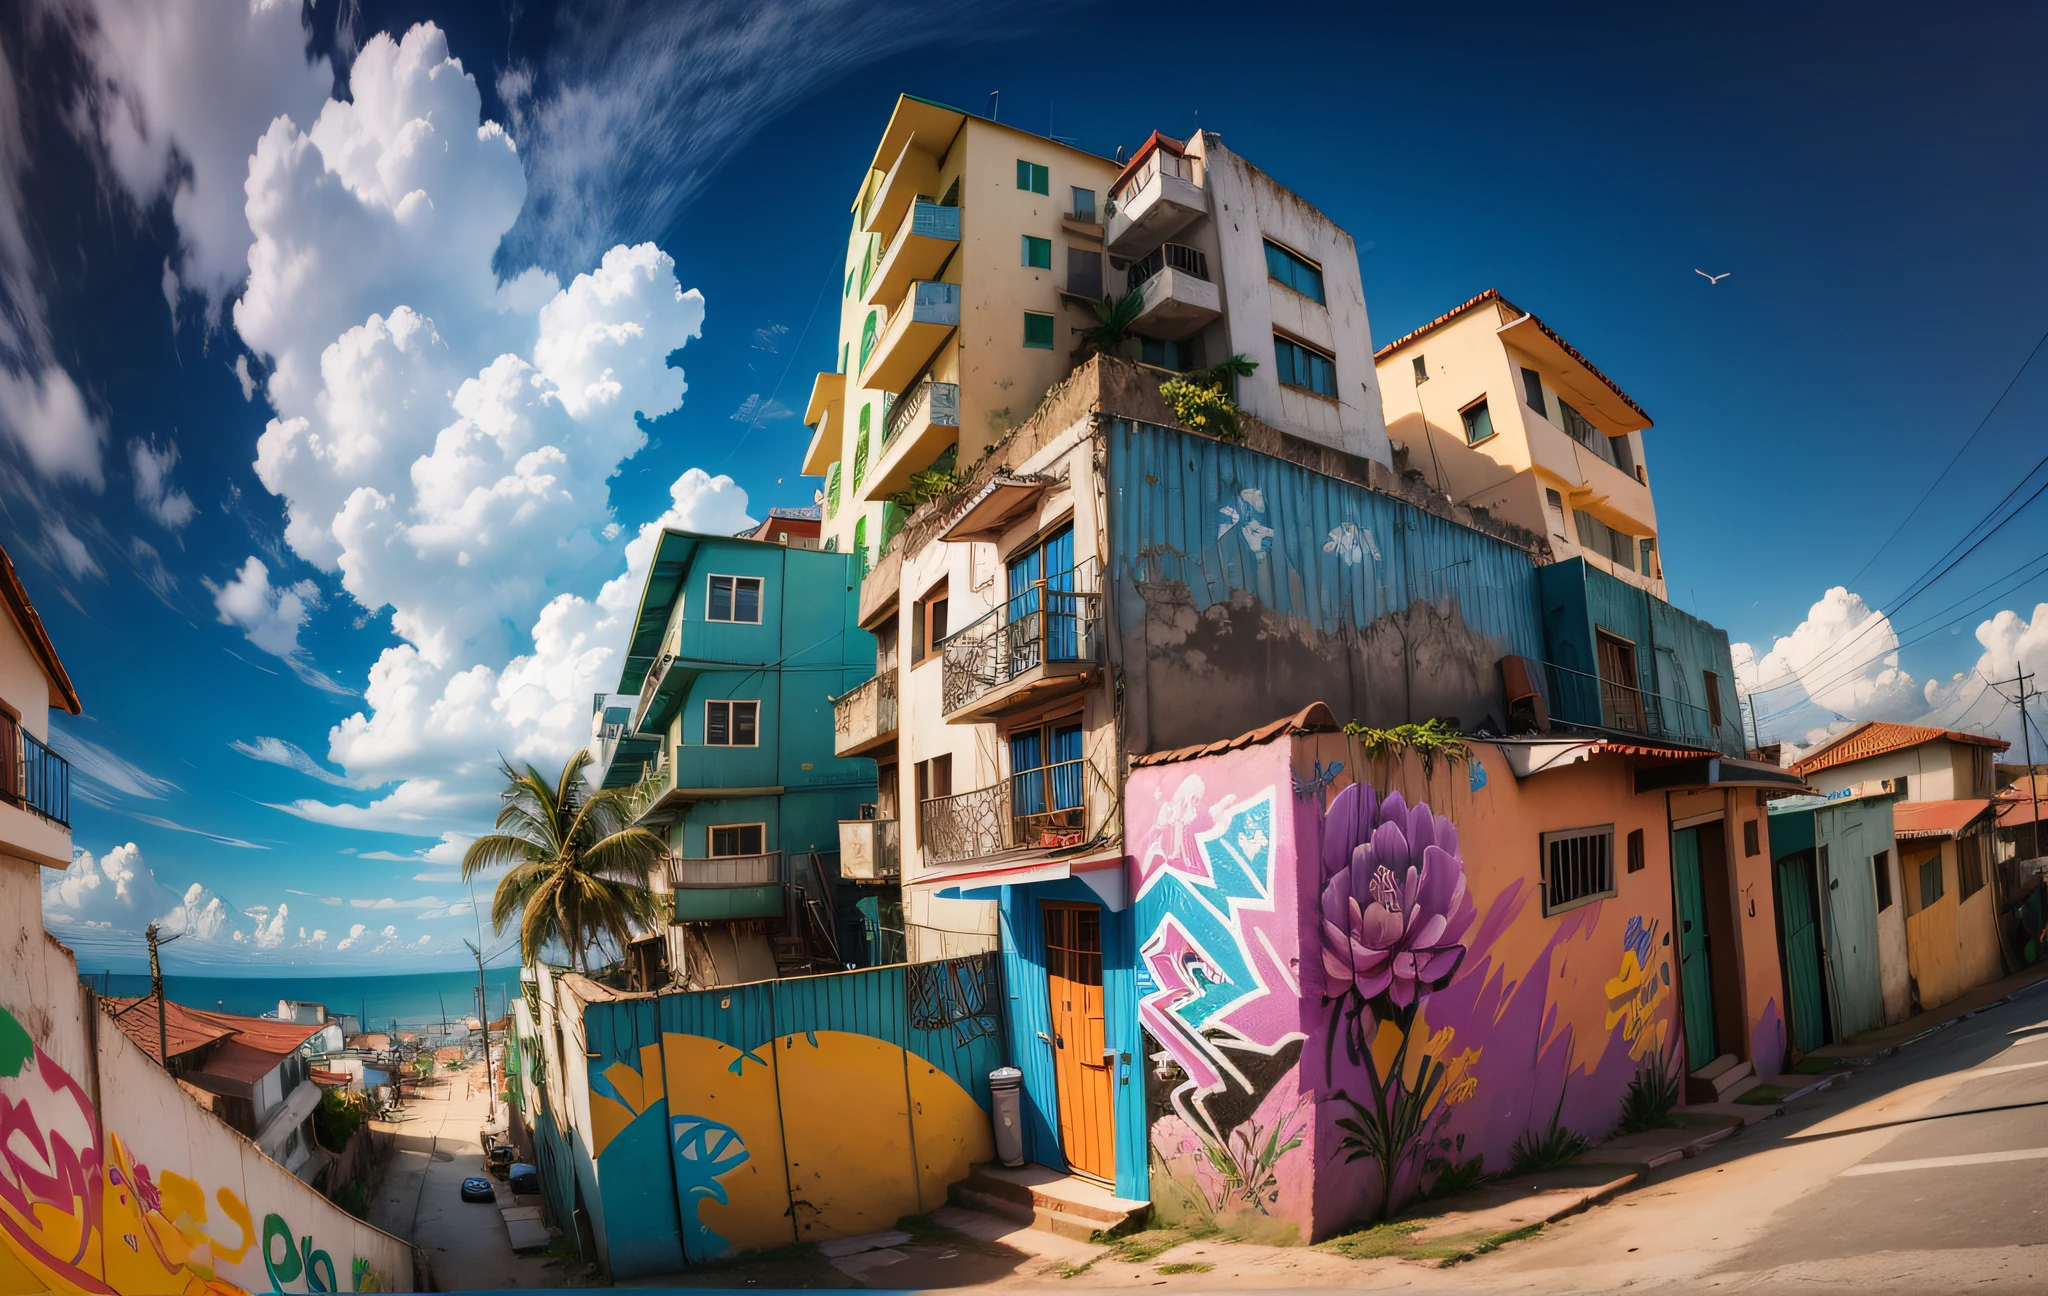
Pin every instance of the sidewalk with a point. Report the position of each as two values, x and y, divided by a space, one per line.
1882 1043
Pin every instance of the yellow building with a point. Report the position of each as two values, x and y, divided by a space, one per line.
1499 412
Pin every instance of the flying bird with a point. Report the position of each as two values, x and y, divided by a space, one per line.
1713 279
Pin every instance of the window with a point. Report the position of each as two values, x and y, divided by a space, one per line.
1305 277
1647 550
735 598
935 778
1165 354
1556 504
860 548
1084 206
732 724
1901 786
1617 547
1305 369
1033 178
1712 683
849 281
1578 867
738 839
1930 881
1532 391
1421 371
1636 860
1037 252
1037 331
1047 805
860 445
1881 872
832 489
1969 865
1478 424
867 337
1084 273
1621 699
1750 835
929 624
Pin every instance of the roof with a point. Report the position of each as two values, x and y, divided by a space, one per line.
1313 718
328 1079
1493 295
15 595
1880 738
808 513
2017 804
1936 818
187 1029
1151 145
241 1063
373 1042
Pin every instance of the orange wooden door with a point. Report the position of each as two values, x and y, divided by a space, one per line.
1083 1067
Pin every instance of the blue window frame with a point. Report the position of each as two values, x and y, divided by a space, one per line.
1304 276
1297 366
1037 252
1043 615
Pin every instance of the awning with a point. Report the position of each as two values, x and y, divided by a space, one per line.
994 507
1102 871
1534 757
1936 818
1717 772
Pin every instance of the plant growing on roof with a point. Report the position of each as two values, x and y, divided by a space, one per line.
1394 915
1111 333
1205 399
577 859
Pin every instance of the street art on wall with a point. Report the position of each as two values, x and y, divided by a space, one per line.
79 1212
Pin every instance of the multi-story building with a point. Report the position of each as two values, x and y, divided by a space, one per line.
738 649
1497 411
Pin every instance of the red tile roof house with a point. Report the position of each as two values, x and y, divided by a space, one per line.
1943 874
249 1071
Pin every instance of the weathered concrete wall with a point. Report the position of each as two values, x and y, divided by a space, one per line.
116 1181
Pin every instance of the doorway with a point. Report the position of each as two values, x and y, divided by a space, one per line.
1805 950
1695 972
1083 1073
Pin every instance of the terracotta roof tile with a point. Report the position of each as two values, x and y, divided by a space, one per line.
1935 818
1313 718
189 1028
1881 737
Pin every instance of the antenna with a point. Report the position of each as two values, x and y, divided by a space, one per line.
993 104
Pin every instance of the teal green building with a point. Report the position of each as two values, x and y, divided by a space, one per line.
735 656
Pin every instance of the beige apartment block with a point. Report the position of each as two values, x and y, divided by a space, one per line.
1499 412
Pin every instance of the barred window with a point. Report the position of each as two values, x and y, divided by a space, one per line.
1578 867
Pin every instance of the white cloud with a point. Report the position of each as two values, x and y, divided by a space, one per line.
154 493
755 410
180 91
244 377
102 905
276 751
1842 660
425 939
2010 642
271 616
46 415
355 933
99 776
70 550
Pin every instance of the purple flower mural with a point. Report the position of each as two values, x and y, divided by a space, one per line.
1395 912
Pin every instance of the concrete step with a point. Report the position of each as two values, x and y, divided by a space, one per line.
1064 1204
1719 1080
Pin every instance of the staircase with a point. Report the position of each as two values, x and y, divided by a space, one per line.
1045 1199
1721 1080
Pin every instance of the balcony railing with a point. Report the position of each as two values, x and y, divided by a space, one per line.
31 775
724 871
867 714
938 401
1579 697
870 849
1167 256
1063 804
1052 621
651 685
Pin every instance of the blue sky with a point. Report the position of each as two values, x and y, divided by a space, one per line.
1869 178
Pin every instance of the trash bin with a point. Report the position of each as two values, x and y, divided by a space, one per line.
1005 1085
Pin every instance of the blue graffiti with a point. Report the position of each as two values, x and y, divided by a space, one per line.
1312 788
704 1151
1477 778
1195 953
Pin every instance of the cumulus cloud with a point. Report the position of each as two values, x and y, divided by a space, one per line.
1970 699
271 616
154 492
45 414
355 934
101 906
1842 661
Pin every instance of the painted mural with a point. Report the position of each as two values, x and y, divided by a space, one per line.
80 1211
809 1108
1351 998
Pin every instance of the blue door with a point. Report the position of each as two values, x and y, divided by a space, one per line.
1041 620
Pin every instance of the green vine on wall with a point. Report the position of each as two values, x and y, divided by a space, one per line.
1433 740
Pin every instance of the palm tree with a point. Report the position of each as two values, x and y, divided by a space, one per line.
1111 334
578 861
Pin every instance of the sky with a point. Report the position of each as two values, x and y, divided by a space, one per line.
351 354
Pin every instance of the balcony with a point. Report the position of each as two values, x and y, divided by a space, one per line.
1577 697
922 423
663 691
32 776
1179 298
869 850
929 311
1152 207
866 718
822 415
727 888
928 235
1056 806
912 175
1044 643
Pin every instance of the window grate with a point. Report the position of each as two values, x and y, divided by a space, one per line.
1578 867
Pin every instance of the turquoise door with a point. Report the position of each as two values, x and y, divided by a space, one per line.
1695 976
1849 880
1799 929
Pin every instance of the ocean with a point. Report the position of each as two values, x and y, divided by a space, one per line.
417 999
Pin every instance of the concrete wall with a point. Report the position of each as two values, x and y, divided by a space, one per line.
115 1180
1952 944
1934 771
25 693
1521 1018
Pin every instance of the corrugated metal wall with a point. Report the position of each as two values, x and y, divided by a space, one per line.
1261 586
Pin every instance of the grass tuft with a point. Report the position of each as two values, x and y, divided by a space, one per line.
1763 1096
1186 1266
1651 1101
1545 1151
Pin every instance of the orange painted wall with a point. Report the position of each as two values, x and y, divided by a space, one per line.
1951 945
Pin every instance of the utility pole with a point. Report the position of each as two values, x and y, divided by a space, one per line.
2023 694
483 1005
156 990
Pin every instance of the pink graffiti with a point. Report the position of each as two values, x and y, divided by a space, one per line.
1176 961
1171 847
49 1158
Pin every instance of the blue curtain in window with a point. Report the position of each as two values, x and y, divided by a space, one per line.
1020 615
1027 773
1063 621
1066 767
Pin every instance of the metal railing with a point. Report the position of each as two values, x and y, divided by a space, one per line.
31 775
648 687
1580 697
1066 803
942 400
1053 620
1089 217
869 711
724 871
1167 256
